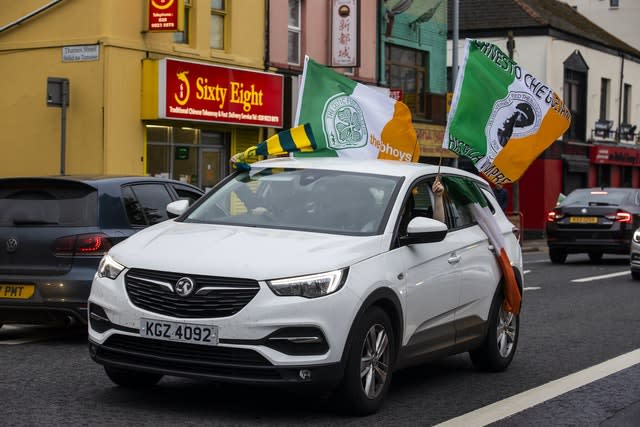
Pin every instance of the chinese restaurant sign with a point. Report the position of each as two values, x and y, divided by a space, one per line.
163 15
195 91
344 33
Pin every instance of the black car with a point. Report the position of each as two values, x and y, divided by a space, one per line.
593 221
55 230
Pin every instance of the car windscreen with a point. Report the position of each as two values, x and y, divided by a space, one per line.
589 197
302 199
47 202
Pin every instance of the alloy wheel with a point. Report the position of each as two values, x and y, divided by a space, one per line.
506 332
374 361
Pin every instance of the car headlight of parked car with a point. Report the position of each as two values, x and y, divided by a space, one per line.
311 286
636 236
109 267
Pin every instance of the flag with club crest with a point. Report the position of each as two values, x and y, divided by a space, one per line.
349 119
501 117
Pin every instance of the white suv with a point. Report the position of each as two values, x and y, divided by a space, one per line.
309 271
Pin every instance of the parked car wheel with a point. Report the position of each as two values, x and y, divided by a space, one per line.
369 363
497 350
595 256
557 256
131 379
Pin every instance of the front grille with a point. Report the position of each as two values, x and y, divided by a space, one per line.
186 359
212 297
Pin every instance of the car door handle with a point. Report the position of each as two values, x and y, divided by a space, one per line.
454 259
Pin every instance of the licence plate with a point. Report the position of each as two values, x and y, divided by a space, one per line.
583 220
17 291
178 331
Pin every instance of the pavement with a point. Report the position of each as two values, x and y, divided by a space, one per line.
534 245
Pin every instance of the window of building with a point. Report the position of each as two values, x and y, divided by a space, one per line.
575 99
187 154
183 36
604 98
294 29
626 104
614 3
406 69
218 17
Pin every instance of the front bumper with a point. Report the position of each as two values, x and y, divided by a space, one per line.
253 343
220 363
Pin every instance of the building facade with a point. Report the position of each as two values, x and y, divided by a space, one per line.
594 72
618 17
141 99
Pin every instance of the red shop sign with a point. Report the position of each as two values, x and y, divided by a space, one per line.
601 154
211 93
163 15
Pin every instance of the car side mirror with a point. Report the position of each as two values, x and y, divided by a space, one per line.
424 230
177 208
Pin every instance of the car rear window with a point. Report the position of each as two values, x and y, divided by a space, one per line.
47 203
584 197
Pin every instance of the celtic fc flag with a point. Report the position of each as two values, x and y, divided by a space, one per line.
349 119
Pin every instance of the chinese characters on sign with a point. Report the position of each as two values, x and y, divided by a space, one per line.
202 92
344 33
163 15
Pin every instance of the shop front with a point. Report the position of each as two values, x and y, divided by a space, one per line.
430 137
614 166
197 115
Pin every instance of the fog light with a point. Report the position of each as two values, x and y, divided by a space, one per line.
305 374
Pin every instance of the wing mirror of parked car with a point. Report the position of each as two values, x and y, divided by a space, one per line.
424 230
177 208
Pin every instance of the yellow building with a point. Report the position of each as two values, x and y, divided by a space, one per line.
141 101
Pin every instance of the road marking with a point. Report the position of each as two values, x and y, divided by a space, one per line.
532 288
527 399
604 276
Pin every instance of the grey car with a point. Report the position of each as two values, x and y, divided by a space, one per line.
635 255
55 230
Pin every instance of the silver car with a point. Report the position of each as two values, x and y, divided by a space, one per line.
635 255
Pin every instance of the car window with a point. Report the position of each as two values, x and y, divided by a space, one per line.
596 197
457 212
302 199
186 193
47 203
135 214
148 202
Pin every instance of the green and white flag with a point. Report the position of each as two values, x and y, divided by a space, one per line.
349 119
502 117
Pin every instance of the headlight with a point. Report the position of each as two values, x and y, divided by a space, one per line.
636 236
109 267
312 286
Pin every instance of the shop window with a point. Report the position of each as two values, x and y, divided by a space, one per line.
626 176
406 69
294 30
603 176
183 36
218 18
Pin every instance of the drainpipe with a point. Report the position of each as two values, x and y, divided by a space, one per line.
266 35
30 15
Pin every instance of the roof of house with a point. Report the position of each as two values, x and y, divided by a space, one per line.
478 18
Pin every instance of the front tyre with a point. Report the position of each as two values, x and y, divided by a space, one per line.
131 379
369 363
497 350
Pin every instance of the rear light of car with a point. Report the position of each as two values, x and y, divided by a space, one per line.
94 244
620 216
553 216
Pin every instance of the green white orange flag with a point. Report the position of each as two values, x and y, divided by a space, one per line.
471 196
501 117
352 120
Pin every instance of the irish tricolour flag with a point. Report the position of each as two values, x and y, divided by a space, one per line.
468 194
502 117
349 119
